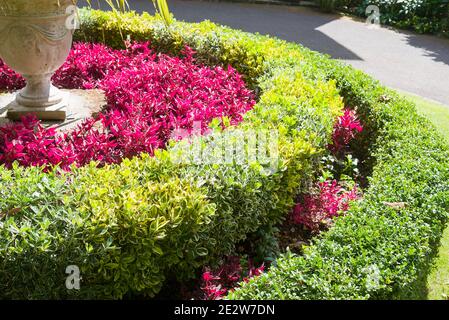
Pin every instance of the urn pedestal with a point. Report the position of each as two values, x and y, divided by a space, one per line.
35 40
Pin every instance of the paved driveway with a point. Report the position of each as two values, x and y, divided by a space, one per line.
415 63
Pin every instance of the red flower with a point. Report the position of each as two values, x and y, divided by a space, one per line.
345 130
207 276
216 284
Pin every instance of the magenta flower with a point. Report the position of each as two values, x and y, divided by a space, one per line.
319 208
149 97
345 130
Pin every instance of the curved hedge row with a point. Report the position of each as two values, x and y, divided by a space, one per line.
128 226
382 248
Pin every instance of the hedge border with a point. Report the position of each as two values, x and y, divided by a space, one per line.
384 246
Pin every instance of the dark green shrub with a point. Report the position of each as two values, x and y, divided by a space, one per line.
424 16
327 5
376 251
331 5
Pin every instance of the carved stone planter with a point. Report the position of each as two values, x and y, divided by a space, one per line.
35 40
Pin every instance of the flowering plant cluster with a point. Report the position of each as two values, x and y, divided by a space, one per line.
148 96
32 145
345 130
9 80
215 284
318 208
329 198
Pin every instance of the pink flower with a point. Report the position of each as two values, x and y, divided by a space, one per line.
207 276
345 130
318 208
217 283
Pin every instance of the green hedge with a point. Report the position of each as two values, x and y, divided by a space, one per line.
377 250
128 226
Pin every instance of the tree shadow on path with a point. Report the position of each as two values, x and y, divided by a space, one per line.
436 48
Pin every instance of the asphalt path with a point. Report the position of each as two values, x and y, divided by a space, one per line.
418 64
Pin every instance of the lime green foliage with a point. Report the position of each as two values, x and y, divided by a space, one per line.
118 229
138 227
131 225
438 280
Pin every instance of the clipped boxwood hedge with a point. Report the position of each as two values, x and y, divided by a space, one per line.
382 248
128 226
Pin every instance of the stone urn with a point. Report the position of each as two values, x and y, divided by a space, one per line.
35 40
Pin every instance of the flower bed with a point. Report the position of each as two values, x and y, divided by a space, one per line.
131 225
148 97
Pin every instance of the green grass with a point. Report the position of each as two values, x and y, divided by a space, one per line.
438 280
435 112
